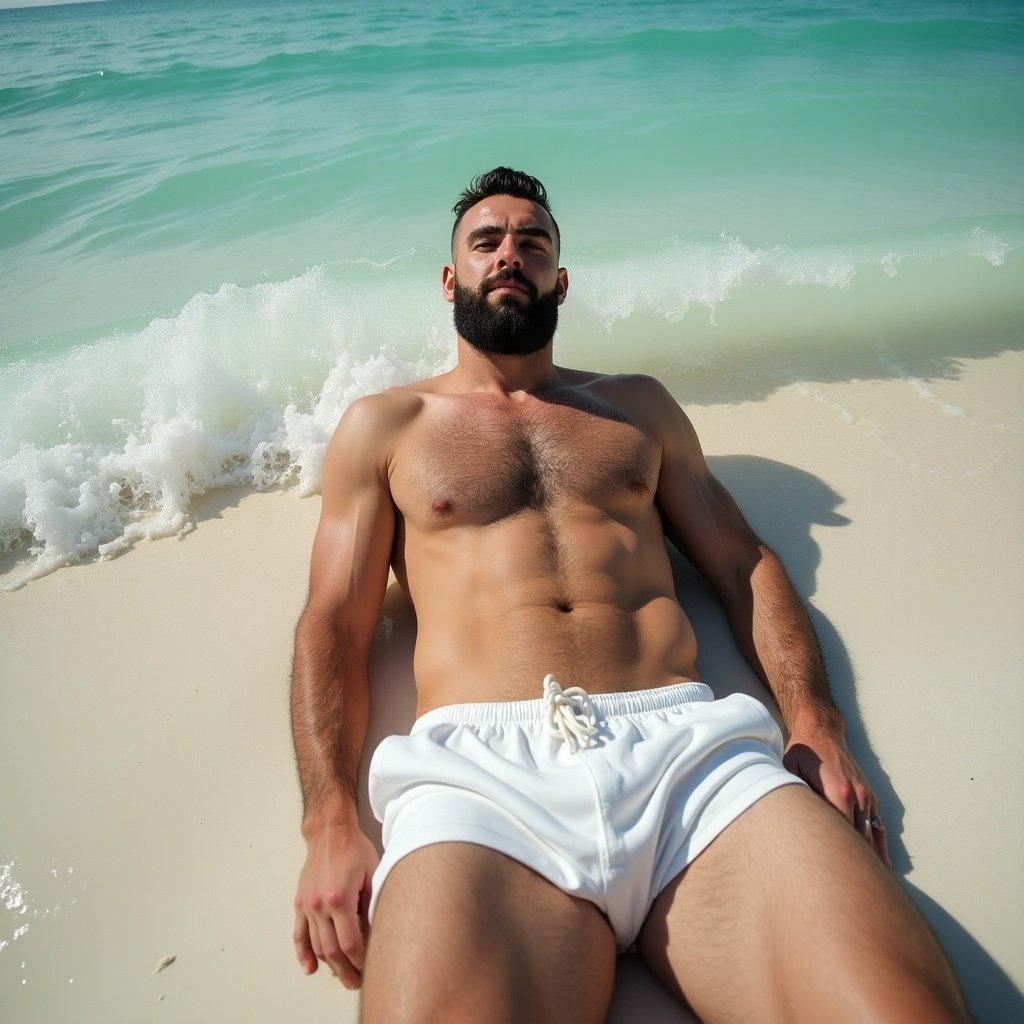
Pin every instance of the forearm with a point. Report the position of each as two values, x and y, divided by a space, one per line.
329 715
775 634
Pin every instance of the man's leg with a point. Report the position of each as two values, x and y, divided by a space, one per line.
788 915
463 933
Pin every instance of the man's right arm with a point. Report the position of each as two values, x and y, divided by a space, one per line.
330 683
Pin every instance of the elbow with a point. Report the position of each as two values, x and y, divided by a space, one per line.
317 616
735 584
320 625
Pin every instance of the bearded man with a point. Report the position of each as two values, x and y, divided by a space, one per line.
571 787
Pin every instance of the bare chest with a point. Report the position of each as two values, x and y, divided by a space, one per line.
467 463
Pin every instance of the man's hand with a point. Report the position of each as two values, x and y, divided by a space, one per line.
331 902
820 757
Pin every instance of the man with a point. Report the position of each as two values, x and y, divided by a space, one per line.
532 827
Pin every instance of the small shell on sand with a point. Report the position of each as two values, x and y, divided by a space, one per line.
165 962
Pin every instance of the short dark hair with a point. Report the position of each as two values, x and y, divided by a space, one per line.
503 181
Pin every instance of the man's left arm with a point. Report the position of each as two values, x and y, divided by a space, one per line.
764 612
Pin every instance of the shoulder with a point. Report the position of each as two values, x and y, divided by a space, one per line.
650 401
624 385
370 427
390 407
645 386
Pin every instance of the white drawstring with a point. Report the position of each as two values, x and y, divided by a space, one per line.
575 727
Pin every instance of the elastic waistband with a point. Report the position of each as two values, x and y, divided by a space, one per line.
532 710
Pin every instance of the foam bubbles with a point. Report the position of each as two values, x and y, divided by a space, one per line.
243 386
989 246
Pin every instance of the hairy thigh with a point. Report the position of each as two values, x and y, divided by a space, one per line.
788 914
464 933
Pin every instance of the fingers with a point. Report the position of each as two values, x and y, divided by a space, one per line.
303 946
841 795
875 832
314 936
338 943
349 929
882 844
351 952
364 908
329 928
344 911
329 951
863 812
334 937
861 824
853 800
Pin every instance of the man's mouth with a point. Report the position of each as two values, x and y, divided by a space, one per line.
511 285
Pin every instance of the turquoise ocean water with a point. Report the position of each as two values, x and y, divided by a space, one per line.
221 222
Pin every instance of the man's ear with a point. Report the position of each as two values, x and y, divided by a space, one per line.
448 282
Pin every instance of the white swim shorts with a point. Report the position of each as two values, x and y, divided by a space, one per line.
607 795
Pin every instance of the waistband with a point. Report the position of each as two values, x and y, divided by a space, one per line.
627 702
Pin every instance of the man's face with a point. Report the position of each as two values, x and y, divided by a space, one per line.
505 283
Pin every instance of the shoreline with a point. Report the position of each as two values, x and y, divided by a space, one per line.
71 509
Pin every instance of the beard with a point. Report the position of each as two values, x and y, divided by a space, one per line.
512 326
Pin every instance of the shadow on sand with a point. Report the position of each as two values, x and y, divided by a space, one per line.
784 522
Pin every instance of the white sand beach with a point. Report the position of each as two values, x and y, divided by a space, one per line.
150 805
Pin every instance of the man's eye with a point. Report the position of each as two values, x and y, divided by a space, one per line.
532 245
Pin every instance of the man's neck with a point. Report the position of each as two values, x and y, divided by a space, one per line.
504 374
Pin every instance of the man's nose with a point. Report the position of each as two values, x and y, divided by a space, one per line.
509 255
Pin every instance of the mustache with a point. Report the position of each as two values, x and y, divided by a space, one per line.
511 275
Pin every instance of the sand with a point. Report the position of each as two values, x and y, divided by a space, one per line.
150 806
